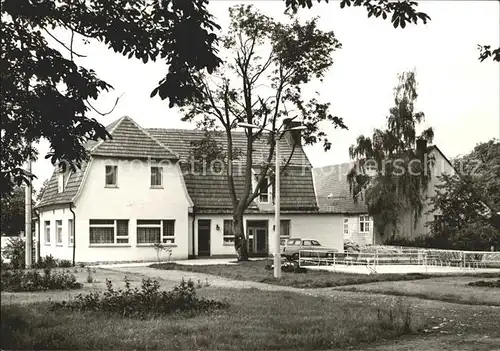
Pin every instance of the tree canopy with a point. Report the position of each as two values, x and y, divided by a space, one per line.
45 94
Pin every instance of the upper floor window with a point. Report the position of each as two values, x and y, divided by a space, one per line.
111 176
156 177
364 224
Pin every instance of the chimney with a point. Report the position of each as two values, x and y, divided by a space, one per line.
293 137
421 147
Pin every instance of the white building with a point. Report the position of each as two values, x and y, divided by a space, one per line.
140 187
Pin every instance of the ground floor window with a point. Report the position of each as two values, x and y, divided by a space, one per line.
71 235
364 224
346 226
59 232
47 232
151 231
109 231
228 234
285 228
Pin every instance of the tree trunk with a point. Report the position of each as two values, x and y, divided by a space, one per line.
240 241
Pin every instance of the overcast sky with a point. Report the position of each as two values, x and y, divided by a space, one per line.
458 94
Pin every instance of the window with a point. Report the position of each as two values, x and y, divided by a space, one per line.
315 243
346 226
108 231
156 177
284 228
59 232
228 235
47 232
111 176
364 224
306 243
71 235
293 242
264 191
151 231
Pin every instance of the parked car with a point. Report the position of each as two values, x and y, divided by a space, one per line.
294 245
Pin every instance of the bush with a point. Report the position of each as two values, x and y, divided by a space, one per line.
14 251
46 262
32 280
148 301
289 267
486 283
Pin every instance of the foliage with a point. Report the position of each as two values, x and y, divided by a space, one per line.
146 302
13 212
48 262
463 222
398 158
15 252
486 283
268 64
46 94
482 164
32 280
159 247
401 12
485 51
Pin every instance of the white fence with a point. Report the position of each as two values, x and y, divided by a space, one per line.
373 257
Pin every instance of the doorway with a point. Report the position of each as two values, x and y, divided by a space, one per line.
204 237
258 243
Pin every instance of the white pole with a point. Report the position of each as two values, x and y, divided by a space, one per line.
27 228
277 253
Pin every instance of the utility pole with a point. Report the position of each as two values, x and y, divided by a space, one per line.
27 228
277 210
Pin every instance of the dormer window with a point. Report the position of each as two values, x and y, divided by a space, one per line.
60 182
265 191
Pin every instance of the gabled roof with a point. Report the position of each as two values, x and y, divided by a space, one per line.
332 190
210 192
129 140
52 197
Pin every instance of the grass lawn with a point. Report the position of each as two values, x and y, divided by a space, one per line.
255 320
255 271
451 289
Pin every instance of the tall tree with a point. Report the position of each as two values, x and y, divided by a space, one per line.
45 94
13 212
393 165
268 63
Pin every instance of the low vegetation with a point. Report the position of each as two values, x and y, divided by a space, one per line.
32 280
486 283
148 301
256 271
252 320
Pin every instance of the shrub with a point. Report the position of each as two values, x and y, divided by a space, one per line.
486 283
46 262
148 301
64 264
14 250
32 280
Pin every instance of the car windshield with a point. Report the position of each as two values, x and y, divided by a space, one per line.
315 243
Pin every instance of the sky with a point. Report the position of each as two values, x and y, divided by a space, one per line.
459 95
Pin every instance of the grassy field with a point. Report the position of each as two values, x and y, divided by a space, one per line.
254 320
255 271
450 289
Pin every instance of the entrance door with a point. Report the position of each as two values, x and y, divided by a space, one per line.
257 238
203 237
